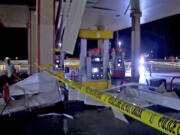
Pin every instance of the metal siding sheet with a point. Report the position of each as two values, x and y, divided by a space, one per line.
73 25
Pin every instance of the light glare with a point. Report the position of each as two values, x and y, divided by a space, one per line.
119 43
59 45
95 70
141 61
97 59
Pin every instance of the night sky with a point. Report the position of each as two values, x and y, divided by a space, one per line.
13 43
161 37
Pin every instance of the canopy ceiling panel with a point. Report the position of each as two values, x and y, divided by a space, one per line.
112 15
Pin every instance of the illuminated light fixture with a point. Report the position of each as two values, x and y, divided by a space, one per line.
57 61
97 59
56 66
95 70
7 58
141 61
119 65
59 45
119 60
119 43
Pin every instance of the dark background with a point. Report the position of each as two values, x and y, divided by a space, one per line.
13 43
160 38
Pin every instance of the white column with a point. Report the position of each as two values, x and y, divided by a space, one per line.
32 41
105 57
83 55
135 44
45 32
135 38
101 45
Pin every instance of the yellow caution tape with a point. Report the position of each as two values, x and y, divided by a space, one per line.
58 50
158 121
45 65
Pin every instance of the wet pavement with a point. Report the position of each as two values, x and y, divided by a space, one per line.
104 123
87 121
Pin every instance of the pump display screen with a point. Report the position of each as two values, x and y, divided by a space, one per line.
57 61
95 70
96 59
95 67
97 73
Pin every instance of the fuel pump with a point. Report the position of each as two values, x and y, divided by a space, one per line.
57 62
118 67
94 63
58 59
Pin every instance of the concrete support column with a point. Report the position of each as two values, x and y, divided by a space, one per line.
45 37
101 45
32 41
83 55
101 41
105 58
135 44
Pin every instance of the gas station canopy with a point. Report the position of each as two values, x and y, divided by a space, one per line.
115 15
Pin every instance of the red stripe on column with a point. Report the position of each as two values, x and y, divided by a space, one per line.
54 38
30 43
38 6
